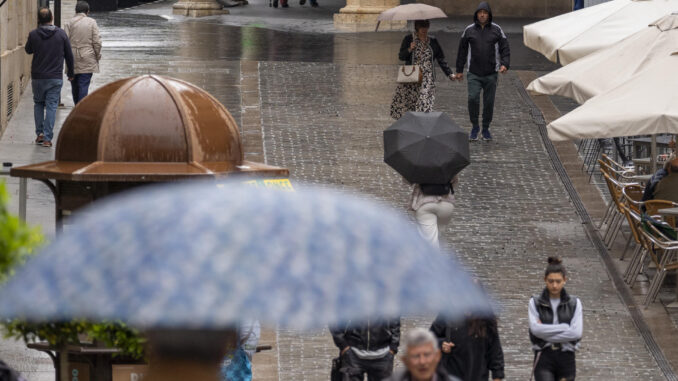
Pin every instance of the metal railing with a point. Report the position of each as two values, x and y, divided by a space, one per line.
23 189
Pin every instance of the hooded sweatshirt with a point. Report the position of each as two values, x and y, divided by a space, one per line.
49 46
484 49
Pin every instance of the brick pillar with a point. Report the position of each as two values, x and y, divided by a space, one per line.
198 8
359 15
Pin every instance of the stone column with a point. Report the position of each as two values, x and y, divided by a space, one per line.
361 15
198 8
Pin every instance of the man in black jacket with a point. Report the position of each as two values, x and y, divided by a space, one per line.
367 348
485 47
50 46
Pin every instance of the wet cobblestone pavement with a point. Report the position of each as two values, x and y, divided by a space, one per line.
318 103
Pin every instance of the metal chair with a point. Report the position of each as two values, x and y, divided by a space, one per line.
633 195
664 254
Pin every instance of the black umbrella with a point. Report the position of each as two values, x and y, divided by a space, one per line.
426 147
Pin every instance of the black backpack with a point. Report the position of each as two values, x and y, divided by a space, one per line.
436 189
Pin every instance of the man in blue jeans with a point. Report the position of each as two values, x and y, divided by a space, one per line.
485 47
49 46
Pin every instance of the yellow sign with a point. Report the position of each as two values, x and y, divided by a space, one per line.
279 184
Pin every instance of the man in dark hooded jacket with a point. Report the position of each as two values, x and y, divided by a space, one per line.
50 46
485 48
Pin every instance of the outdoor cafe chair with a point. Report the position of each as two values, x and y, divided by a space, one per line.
614 188
664 254
633 195
640 253
652 208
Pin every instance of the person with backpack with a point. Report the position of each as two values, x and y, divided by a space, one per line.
433 206
556 326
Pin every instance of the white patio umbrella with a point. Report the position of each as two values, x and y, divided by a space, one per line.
611 66
410 12
646 104
574 35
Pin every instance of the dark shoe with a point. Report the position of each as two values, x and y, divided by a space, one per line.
47 144
40 139
302 2
474 133
486 134
275 3
314 4
284 4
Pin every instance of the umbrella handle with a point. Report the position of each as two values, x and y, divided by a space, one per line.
377 28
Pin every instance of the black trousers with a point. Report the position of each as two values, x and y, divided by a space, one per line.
353 368
555 365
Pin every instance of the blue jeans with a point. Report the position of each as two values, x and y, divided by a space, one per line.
80 86
46 94
488 86
578 4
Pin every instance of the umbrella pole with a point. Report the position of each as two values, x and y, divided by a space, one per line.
653 153
377 28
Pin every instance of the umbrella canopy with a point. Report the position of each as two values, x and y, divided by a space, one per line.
426 147
611 66
412 12
647 103
202 257
574 35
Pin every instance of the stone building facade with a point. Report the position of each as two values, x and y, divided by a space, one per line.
17 19
506 8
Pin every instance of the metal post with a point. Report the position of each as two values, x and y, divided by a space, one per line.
653 154
57 13
23 195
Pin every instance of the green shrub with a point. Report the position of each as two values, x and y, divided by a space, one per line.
17 242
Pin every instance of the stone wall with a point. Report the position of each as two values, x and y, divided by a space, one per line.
505 8
17 18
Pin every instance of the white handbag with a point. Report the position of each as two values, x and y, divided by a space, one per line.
410 73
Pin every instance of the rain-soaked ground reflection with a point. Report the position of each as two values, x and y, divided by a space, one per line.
149 35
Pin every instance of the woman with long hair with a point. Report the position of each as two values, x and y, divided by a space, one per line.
556 326
471 349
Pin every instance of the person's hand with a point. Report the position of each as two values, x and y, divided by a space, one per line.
344 350
71 79
391 352
452 77
503 69
459 76
447 346
412 46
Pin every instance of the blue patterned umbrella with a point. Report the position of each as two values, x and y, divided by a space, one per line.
199 256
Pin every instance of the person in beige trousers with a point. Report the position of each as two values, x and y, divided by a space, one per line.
83 32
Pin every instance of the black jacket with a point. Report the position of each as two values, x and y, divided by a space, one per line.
404 375
566 310
49 46
473 356
438 55
372 335
489 48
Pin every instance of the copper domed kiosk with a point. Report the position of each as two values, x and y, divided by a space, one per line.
142 130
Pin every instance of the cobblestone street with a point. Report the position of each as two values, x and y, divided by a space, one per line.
317 103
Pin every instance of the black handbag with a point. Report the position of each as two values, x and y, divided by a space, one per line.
336 366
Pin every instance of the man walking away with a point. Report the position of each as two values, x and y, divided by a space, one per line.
50 46
367 348
485 47
83 34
